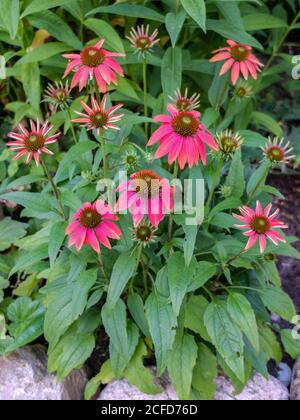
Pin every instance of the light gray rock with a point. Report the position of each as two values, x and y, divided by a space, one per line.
257 389
295 386
24 376
122 390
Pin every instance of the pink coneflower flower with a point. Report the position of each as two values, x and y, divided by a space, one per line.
97 117
57 95
32 142
182 136
146 193
183 102
277 152
141 41
93 223
94 63
260 225
239 59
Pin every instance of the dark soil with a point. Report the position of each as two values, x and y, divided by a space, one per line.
289 268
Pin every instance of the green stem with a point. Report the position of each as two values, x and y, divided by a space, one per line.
102 268
104 157
275 52
71 126
229 262
171 220
54 188
216 178
139 255
145 83
97 92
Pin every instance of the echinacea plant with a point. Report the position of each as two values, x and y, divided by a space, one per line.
131 238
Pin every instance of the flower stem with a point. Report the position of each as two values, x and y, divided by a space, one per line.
215 182
104 157
97 92
171 220
71 126
102 268
145 83
286 34
54 188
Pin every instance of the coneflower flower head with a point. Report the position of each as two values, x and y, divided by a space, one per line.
277 152
32 142
144 234
57 95
239 59
243 90
228 142
141 41
94 63
97 117
183 102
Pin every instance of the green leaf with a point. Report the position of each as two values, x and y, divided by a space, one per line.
269 344
104 30
228 31
174 24
136 308
105 376
218 90
181 364
3 285
11 231
261 119
226 337
236 176
26 259
179 277
73 153
43 52
276 300
115 324
194 314
9 16
130 10
56 27
171 71
231 12
38 204
189 242
205 373
123 271
27 319
162 324
38 6
252 139
197 10
229 203
138 375
31 84
68 304
75 347
243 315
291 344
258 178
56 239
203 272
260 21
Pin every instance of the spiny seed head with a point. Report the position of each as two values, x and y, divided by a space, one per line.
144 234
228 142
